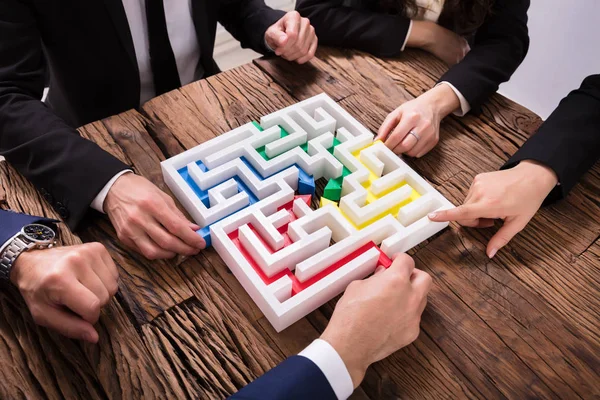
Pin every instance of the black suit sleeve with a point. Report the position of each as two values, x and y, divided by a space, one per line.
248 20
67 168
337 25
499 47
569 140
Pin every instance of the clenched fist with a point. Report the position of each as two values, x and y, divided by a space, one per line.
65 287
293 38
378 316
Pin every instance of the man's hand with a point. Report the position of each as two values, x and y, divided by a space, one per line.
513 195
148 221
293 38
421 116
378 316
65 287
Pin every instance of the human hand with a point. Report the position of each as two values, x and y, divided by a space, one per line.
439 41
65 287
513 195
148 221
293 38
422 116
378 316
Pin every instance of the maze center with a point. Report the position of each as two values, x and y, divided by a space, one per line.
251 189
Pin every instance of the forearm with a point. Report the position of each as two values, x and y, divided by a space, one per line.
337 25
248 21
69 170
569 141
499 47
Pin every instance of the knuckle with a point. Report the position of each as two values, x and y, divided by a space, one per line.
415 332
93 309
104 299
55 279
166 242
151 253
146 203
95 247
427 279
133 219
414 115
113 288
294 14
76 257
37 314
396 279
353 286
404 258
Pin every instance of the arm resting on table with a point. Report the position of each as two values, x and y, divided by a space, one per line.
40 145
380 34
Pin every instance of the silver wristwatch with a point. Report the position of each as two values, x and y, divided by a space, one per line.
32 236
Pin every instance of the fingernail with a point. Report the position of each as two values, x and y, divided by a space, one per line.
432 215
492 253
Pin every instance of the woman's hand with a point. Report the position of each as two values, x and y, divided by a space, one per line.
414 127
513 195
439 41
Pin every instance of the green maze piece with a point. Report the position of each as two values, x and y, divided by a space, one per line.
257 125
345 173
335 143
333 189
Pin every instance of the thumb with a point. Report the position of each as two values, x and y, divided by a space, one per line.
281 39
276 37
511 227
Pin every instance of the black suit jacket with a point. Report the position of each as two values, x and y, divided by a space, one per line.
569 140
497 48
87 48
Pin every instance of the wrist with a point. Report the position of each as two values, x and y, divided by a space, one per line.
443 100
112 194
541 175
355 363
20 265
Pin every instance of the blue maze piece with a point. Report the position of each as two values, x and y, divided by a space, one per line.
205 233
306 185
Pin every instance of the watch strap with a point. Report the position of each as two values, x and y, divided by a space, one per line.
10 254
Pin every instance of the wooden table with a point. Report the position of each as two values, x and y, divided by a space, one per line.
523 325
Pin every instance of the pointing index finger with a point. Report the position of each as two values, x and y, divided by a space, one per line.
464 212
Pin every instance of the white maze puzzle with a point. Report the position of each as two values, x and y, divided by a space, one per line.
250 190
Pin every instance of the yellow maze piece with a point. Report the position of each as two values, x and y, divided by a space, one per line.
372 197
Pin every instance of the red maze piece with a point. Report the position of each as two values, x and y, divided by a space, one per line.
298 286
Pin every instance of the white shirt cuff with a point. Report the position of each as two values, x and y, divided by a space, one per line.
98 202
407 35
465 107
331 364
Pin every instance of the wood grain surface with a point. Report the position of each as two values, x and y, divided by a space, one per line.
523 325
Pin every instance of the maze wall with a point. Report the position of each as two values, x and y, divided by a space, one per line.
250 190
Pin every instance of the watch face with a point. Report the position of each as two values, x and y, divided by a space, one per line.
39 233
